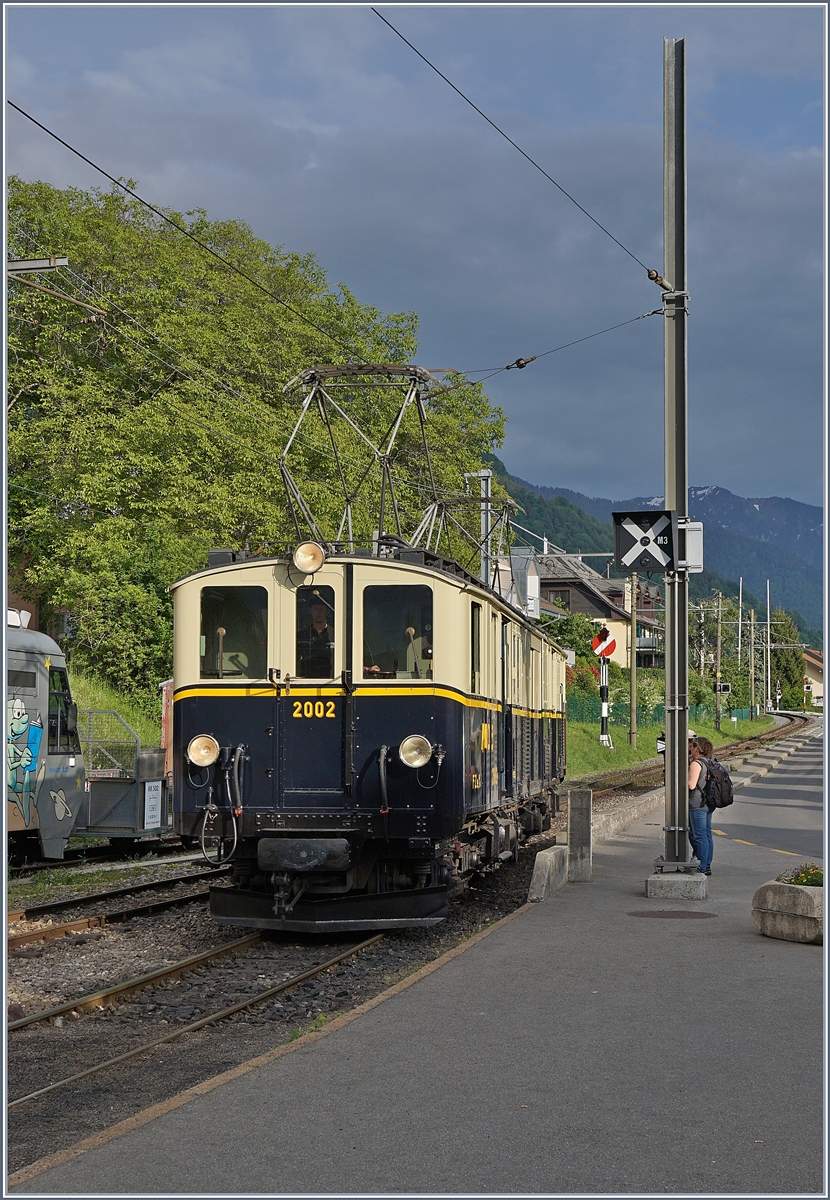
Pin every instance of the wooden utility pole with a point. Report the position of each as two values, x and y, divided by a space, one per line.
717 668
752 664
676 489
632 665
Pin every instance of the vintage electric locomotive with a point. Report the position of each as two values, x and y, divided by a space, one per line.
358 732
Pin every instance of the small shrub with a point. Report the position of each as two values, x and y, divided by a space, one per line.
807 874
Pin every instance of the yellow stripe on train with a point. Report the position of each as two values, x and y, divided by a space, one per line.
375 690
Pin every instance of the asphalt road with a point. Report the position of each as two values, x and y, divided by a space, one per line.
783 810
577 1049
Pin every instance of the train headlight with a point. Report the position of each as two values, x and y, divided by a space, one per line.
203 750
309 557
415 750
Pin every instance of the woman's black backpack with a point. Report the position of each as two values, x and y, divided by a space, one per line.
717 791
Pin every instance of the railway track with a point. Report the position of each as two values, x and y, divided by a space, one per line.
110 994
642 777
53 906
102 854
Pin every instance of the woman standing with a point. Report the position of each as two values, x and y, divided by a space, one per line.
700 814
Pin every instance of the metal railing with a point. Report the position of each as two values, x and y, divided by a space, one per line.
110 747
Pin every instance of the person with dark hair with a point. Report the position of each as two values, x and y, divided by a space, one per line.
315 643
700 814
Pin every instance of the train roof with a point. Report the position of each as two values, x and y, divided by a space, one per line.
397 554
31 640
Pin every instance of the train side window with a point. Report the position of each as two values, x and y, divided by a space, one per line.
233 640
24 681
475 649
62 738
315 632
397 632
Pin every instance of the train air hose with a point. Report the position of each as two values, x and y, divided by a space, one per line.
233 786
384 791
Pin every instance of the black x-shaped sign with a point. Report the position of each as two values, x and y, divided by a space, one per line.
645 541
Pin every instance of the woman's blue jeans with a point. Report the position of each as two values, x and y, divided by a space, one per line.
700 835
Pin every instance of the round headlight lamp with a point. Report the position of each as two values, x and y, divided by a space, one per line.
415 750
203 750
309 557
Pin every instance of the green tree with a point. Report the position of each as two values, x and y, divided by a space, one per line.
572 632
141 438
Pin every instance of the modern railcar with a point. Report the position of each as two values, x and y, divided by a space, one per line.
358 732
44 764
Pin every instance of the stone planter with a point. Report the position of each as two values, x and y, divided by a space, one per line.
789 911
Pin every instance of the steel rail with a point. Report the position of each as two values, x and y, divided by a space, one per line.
50 906
97 854
94 999
220 1015
619 780
48 932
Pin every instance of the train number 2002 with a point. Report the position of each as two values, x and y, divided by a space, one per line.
310 708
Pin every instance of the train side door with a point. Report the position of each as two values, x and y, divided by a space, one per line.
505 715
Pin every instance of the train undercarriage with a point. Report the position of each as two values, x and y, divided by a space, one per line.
333 880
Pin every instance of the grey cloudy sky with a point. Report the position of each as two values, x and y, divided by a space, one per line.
321 129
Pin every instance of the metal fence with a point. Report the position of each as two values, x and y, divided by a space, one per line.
110 747
588 709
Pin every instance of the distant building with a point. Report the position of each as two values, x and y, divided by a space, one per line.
557 582
814 670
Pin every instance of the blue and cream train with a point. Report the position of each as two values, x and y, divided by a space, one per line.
359 733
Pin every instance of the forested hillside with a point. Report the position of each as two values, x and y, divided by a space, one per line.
145 432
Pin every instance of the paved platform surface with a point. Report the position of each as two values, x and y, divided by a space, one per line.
587 1046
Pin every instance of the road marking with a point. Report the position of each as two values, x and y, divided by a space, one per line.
723 833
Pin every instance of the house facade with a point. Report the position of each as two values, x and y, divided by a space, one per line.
567 583
814 671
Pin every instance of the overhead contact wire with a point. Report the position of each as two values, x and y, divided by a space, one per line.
509 139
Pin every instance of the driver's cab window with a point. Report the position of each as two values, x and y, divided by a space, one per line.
397 632
233 641
315 632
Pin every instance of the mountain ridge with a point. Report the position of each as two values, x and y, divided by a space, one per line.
757 538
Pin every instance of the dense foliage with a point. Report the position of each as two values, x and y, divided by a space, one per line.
141 438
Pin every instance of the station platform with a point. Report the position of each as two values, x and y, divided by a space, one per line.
597 1043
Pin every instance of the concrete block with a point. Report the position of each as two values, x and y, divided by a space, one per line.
607 824
789 911
580 839
676 885
550 873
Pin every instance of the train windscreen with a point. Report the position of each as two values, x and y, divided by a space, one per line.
315 632
397 632
234 633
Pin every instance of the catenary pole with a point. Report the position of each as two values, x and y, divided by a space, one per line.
717 667
752 664
768 680
740 615
486 551
632 666
675 446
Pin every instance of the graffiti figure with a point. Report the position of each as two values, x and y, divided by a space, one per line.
62 809
24 735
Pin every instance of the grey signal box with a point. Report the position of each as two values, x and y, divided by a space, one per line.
645 541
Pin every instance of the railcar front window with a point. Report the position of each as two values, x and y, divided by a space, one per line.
234 633
315 632
397 632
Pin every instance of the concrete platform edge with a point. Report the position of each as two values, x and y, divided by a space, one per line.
24 1174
